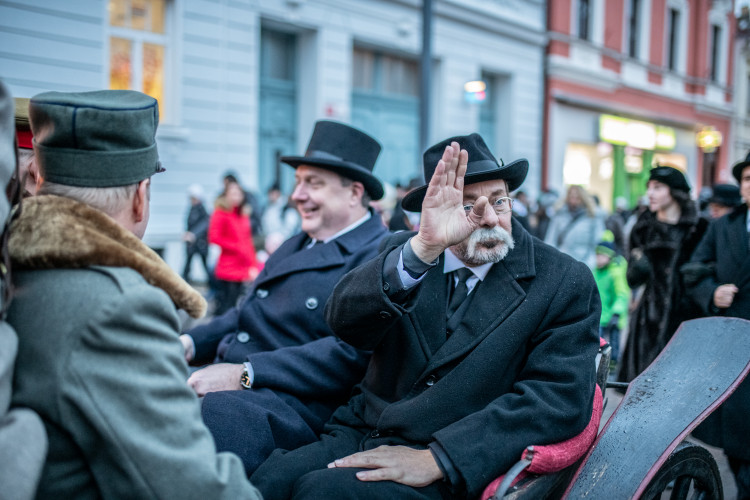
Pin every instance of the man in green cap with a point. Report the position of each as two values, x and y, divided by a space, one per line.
96 314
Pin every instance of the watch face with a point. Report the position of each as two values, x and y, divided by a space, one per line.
245 379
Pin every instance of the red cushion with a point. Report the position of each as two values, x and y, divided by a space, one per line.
554 457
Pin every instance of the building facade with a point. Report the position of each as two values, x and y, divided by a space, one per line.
241 82
741 130
633 82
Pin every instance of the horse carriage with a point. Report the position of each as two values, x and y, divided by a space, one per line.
641 451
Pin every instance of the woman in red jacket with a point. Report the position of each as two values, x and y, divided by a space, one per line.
230 229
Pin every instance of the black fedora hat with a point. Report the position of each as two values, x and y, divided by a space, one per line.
739 167
345 150
482 167
726 194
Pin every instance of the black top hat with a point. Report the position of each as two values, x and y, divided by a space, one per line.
670 176
726 194
345 150
482 167
739 167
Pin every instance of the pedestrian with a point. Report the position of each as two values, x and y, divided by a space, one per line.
577 226
724 199
230 230
97 309
661 241
611 280
719 283
196 233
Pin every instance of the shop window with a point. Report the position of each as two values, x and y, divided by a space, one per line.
138 47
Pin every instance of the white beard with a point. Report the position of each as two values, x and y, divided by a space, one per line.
472 251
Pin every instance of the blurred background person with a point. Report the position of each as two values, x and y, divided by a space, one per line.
541 217
610 275
521 209
230 230
255 210
279 216
196 234
720 286
724 199
576 227
662 240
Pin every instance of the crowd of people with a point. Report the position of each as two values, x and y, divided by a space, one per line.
343 359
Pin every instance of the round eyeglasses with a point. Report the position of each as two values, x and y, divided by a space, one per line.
501 205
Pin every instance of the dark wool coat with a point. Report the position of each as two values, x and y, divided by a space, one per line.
726 246
302 372
657 251
518 370
197 223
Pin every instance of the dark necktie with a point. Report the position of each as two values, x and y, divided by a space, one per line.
460 291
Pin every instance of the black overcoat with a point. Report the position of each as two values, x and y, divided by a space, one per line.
302 371
518 370
725 245
657 251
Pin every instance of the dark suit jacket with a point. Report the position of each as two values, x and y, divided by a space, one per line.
519 369
280 328
725 244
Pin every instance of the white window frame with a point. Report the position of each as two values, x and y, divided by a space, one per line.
138 38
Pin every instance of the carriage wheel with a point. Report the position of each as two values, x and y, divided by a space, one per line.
691 471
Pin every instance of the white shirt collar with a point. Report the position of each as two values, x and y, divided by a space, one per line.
348 228
452 263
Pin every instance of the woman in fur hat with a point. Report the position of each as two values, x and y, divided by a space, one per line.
662 239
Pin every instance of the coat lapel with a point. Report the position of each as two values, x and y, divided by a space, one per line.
429 313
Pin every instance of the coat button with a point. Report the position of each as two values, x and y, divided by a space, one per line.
261 293
385 314
375 434
430 381
386 287
243 337
311 303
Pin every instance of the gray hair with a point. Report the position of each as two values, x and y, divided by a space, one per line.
110 200
366 198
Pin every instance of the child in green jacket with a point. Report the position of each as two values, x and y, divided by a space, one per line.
614 291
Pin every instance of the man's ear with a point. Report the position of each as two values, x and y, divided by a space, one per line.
358 189
140 200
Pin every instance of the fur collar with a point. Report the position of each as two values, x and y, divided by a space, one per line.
55 232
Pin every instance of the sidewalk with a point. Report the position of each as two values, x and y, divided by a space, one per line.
730 489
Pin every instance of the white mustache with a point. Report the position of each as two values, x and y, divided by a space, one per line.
490 234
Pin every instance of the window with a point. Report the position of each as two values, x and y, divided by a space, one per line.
137 47
584 14
715 40
747 96
674 27
633 25
384 73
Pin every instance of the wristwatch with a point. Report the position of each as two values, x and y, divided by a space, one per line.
245 378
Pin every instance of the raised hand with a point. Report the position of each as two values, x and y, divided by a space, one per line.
444 221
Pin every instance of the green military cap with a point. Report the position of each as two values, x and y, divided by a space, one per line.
95 139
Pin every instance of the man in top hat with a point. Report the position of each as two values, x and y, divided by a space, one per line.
96 314
483 339
724 290
279 372
724 198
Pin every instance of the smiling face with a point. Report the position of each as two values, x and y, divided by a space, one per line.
325 204
659 196
492 241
